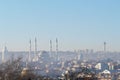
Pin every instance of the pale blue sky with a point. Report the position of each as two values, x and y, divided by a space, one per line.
78 24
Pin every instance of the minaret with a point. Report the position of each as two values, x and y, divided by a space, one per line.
78 55
29 56
35 47
3 53
57 48
56 45
51 48
104 46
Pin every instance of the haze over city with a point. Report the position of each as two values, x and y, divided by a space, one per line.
80 24
59 40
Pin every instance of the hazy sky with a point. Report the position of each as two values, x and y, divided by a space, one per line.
78 24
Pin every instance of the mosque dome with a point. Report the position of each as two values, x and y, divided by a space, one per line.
44 54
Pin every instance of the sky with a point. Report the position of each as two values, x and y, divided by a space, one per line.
78 24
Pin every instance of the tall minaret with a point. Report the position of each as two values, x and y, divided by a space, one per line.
104 46
29 56
57 48
56 45
51 48
35 47
3 53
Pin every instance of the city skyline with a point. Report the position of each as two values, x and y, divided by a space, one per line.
77 24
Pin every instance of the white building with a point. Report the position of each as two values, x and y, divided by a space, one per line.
98 66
